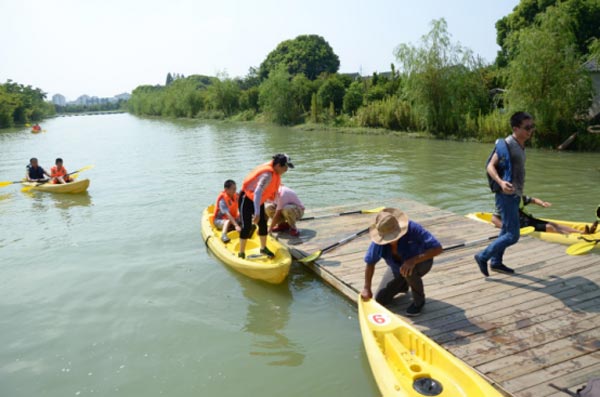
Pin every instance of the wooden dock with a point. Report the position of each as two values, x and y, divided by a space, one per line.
522 332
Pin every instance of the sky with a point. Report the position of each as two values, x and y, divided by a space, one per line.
107 47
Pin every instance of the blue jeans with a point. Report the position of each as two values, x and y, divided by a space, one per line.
510 232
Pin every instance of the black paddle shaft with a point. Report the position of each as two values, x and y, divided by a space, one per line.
344 241
310 218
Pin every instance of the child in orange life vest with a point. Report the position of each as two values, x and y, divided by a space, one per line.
226 215
58 173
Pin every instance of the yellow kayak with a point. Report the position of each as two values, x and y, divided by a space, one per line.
78 186
567 239
256 265
406 363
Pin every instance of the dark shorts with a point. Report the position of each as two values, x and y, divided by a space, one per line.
527 220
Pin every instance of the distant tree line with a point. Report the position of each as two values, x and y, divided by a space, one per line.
20 104
438 86
99 107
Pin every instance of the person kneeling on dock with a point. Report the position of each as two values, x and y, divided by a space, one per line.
408 249
258 187
226 216
58 173
35 173
285 211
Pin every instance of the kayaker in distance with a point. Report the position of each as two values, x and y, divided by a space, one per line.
36 127
284 211
226 216
506 176
35 173
58 173
408 250
258 187
526 219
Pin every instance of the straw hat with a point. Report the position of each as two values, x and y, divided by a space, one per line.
390 224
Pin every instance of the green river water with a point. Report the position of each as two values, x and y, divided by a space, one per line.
113 293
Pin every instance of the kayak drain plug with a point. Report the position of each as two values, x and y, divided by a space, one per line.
428 386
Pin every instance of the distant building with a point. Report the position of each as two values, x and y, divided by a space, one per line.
82 100
59 100
86 100
124 96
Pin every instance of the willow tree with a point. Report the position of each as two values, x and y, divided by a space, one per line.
442 80
546 77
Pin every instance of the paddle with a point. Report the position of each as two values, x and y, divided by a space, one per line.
74 173
582 247
371 211
523 232
317 254
6 183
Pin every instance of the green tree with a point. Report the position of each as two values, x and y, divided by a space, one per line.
314 108
276 98
442 81
302 90
353 99
332 91
249 99
584 14
546 78
169 79
224 95
308 54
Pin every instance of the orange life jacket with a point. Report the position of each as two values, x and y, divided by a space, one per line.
232 205
270 190
55 172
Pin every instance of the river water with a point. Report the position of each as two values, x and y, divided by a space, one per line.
113 292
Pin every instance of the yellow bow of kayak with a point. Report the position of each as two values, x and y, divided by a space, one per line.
406 363
256 266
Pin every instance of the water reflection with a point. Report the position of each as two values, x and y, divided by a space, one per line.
66 201
62 201
267 318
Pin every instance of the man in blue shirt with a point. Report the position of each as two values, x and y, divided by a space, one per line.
408 250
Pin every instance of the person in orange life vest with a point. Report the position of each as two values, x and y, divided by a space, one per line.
35 173
226 215
36 127
259 186
58 173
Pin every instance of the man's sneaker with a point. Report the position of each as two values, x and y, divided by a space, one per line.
241 255
414 310
282 227
225 239
267 252
482 266
294 232
501 268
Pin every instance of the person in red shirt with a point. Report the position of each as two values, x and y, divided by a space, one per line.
58 173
